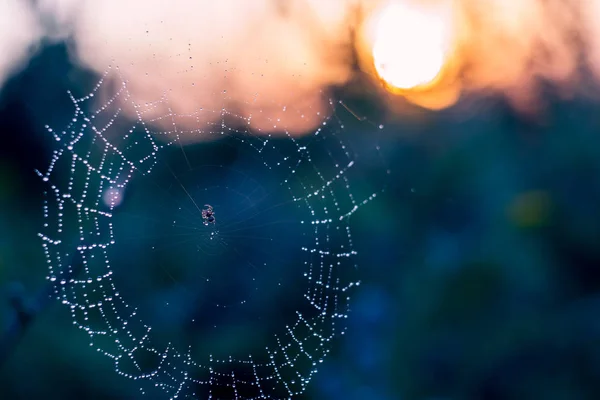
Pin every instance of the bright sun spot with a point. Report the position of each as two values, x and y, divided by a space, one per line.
410 46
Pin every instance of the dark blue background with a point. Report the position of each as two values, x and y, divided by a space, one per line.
479 267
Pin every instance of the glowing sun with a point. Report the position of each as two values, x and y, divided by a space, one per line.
410 45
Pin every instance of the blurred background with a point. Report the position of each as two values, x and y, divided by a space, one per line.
478 265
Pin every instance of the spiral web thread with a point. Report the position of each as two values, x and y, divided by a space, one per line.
89 170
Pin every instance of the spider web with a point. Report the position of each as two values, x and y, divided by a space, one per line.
124 196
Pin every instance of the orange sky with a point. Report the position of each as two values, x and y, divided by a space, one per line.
255 57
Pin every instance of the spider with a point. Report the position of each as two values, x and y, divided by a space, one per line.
208 215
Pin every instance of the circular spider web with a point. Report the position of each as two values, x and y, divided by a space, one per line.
125 200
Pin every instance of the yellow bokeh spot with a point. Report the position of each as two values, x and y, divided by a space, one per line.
530 209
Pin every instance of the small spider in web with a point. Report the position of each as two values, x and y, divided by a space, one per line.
208 215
